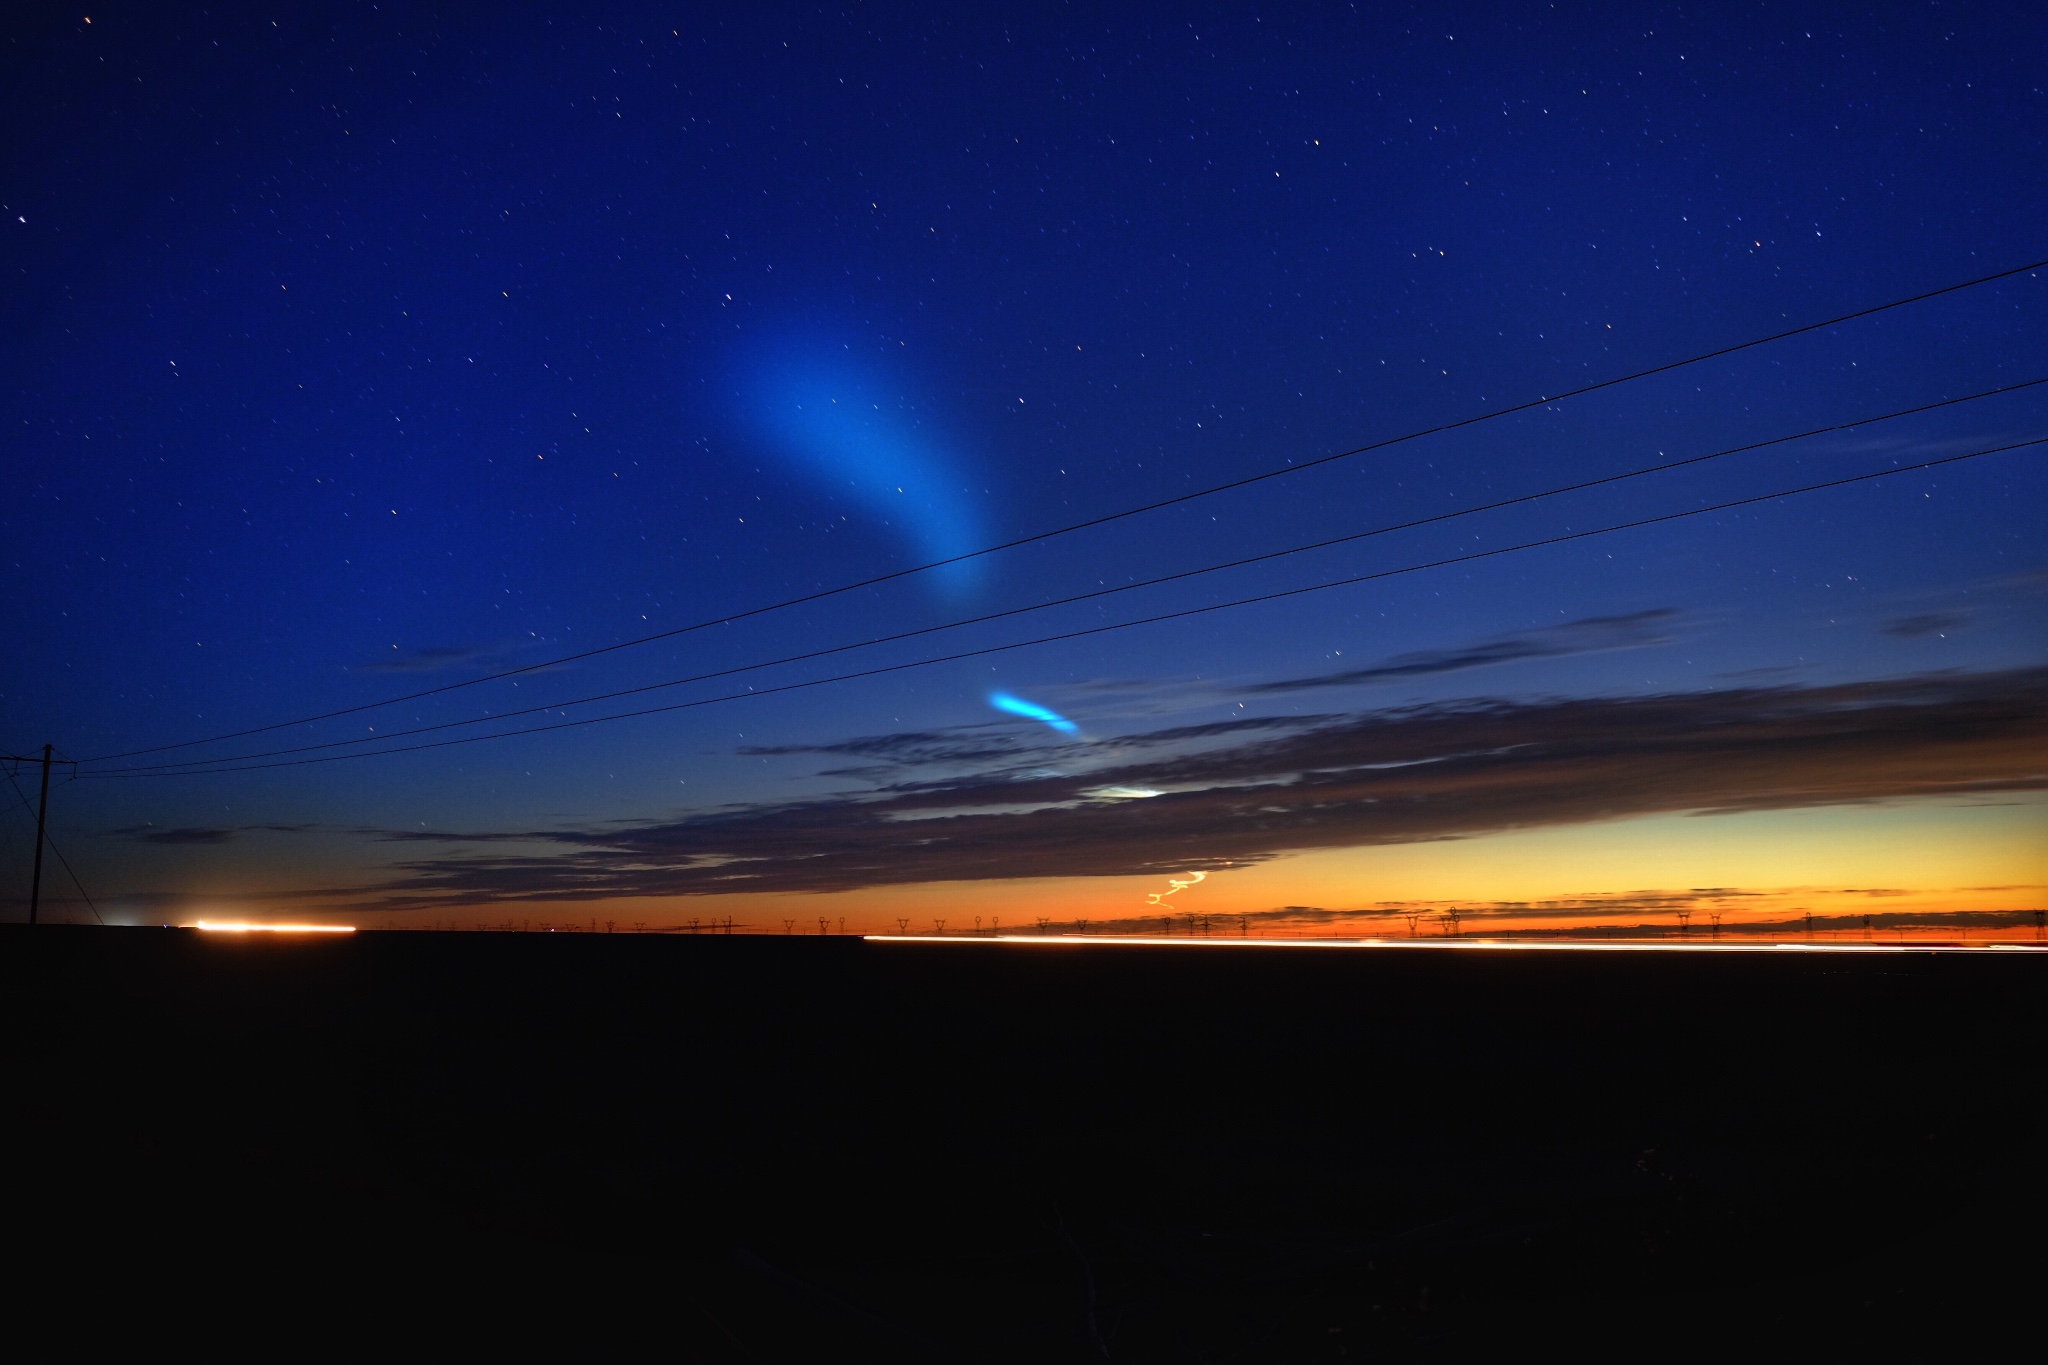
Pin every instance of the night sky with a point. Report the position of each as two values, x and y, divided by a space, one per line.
357 350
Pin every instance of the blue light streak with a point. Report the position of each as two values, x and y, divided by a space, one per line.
1031 710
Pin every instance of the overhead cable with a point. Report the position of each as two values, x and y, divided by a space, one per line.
1246 481
1095 594
1472 557
51 844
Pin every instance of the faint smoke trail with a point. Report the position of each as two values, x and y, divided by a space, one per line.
858 437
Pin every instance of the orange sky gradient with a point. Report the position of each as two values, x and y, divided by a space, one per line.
1772 867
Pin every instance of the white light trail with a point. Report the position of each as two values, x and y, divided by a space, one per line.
1178 885
239 927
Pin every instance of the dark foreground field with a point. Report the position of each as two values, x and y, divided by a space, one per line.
761 1148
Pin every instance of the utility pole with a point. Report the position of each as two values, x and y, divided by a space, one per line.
35 886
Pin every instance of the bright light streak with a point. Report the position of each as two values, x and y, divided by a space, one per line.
238 927
1178 885
1453 945
1031 710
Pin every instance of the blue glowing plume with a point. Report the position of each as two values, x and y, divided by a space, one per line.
860 440
1031 710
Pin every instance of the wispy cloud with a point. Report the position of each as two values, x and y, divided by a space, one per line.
1008 752
147 834
916 748
442 658
200 835
1376 777
420 660
1590 635
1922 624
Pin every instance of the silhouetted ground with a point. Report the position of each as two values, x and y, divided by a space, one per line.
767 1148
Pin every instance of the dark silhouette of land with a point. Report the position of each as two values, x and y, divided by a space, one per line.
784 1148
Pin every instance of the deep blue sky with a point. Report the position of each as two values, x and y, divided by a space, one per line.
360 347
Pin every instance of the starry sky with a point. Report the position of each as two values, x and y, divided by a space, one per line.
359 351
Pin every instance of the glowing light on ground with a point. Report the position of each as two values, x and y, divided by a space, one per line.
219 927
1453 944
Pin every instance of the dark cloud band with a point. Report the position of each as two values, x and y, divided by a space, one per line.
1383 777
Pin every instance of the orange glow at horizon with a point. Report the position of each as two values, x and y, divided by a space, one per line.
1457 945
245 927
1916 869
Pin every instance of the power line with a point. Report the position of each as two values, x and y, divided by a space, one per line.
61 859
1103 520
201 763
1100 630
